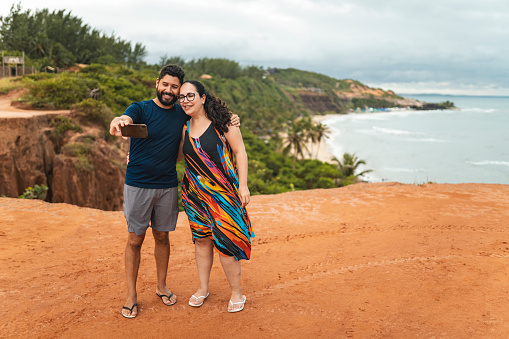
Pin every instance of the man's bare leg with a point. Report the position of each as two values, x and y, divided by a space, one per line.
132 264
162 256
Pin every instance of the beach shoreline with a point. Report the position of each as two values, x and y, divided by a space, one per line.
324 151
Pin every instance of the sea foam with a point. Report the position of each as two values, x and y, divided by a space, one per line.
488 163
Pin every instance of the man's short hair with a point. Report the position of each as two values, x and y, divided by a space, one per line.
174 71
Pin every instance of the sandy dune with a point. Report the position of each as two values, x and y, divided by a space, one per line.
369 260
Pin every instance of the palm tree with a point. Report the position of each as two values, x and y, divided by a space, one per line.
321 132
308 127
296 139
349 165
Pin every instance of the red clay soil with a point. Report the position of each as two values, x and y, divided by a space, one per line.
365 261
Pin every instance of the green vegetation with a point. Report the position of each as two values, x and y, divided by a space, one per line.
277 131
8 84
94 111
60 39
434 106
63 124
275 105
116 86
295 78
273 172
36 192
372 102
56 92
349 165
80 151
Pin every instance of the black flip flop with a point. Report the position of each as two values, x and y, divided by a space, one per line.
167 296
130 310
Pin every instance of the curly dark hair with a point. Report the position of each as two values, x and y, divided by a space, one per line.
174 71
215 109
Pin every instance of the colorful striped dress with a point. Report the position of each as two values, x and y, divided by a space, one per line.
210 194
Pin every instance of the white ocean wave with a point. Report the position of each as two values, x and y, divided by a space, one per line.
480 110
330 121
379 116
369 116
366 131
488 163
394 131
413 113
404 170
425 140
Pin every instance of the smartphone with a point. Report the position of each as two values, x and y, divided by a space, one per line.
135 131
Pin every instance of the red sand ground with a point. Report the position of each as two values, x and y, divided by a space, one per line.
368 260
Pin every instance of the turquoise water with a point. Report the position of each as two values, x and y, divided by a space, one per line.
469 145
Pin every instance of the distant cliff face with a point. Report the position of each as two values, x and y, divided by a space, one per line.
90 173
319 101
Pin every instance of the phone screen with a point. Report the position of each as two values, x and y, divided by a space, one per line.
135 131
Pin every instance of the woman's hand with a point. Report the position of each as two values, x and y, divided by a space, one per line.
244 195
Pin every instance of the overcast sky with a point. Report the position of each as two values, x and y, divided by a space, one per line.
410 46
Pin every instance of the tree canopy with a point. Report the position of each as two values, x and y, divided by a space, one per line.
61 39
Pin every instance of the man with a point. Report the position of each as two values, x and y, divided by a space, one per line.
150 190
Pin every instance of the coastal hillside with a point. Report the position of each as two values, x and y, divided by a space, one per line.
58 126
364 261
324 95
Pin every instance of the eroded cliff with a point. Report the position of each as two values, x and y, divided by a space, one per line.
87 171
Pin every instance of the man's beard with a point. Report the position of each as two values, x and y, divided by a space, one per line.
166 102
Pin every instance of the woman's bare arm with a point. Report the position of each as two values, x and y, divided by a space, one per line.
234 138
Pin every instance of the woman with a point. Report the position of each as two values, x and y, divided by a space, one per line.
213 197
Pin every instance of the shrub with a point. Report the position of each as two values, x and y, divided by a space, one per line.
93 111
62 124
36 192
372 102
76 149
58 92
7 84
79 151
38 76
352 179
86 139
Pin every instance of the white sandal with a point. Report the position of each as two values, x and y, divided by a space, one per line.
198 298
237 303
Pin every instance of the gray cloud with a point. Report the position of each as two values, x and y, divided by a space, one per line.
449 45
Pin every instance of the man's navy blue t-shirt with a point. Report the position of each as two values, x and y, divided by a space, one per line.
152 160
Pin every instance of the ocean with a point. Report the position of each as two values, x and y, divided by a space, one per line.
467 145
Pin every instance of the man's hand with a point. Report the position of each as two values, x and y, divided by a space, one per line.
117 124
235 120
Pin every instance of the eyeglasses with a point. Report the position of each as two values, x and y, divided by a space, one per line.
189 96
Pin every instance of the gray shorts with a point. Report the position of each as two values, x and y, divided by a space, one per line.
159 206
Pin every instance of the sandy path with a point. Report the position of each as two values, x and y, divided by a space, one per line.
368 260
7 110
